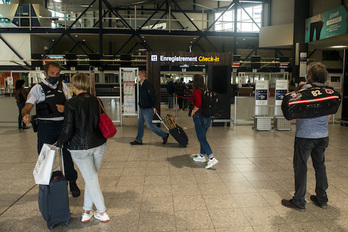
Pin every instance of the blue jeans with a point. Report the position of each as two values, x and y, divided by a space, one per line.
302 149
201 131
20 108
146 116
170 101
89 162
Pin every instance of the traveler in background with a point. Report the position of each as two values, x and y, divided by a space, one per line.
181 90
87 146
21 96
171 91
147 104
311 139
201 123
49 97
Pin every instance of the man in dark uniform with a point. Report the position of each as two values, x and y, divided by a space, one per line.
49 97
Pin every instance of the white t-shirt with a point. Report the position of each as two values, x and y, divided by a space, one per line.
37 95
316 18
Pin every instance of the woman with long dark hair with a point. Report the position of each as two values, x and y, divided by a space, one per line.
201 123
21 97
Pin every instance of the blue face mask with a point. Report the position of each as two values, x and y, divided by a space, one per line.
53 80
305 77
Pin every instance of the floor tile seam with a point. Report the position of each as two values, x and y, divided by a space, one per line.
18 199
205 204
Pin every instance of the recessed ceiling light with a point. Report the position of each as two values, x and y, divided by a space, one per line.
85 5
57 0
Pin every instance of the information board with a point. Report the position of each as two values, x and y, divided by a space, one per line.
129 75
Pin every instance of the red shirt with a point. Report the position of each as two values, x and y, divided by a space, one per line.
197 99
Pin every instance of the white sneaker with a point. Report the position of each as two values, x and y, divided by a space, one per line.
103 217
211 162
86 217
199 158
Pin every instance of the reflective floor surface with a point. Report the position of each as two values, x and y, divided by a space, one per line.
157 187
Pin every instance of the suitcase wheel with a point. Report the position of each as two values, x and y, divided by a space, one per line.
67 222
50 226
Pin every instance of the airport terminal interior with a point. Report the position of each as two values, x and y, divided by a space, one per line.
250 52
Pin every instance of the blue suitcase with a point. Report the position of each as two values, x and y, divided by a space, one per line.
54 200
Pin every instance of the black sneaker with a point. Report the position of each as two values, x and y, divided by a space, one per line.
314 199
136 143
291 204
75 191
165 139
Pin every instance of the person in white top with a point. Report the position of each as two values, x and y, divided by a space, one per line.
49 97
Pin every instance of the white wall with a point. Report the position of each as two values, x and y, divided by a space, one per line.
276 36
282 12
8 10
320 6
38 43
20 43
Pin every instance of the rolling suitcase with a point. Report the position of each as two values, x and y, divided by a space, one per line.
53 198
177 132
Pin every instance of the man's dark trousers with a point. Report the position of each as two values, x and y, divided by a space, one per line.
316 148
49 132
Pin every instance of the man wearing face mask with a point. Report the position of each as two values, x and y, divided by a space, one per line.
49 97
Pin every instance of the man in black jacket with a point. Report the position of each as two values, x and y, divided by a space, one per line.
147 103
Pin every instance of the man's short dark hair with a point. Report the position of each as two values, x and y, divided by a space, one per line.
318 72
51 63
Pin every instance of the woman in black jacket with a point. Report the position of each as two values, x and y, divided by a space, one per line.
83 138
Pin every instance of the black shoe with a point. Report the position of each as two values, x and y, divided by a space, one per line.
136 143
165 139
291 204
317 203
25 127
75 191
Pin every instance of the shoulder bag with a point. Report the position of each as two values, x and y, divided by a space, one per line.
106 126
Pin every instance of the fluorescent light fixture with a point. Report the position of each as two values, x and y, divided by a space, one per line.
57 0
339 46
85 5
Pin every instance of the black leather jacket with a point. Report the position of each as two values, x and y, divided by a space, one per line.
81 117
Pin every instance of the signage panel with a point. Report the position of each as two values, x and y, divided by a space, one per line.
327 24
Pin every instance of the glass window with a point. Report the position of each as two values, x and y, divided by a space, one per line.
244 21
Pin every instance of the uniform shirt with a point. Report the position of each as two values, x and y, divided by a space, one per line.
37 95
312 128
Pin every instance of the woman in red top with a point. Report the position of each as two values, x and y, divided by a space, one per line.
201 123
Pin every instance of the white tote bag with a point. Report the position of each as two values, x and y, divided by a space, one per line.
44 165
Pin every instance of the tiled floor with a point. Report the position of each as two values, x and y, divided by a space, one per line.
158 187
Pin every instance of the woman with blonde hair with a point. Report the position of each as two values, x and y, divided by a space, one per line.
83 138
201 123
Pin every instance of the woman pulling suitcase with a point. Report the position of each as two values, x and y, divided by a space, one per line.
86 143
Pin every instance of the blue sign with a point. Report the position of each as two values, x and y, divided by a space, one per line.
280 94
261 94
